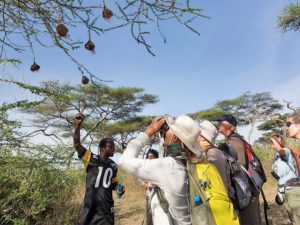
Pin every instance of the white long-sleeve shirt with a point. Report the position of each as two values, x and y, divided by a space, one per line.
169 175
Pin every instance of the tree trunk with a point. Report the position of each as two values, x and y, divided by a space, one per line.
250 132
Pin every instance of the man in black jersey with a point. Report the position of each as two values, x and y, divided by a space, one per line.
101 179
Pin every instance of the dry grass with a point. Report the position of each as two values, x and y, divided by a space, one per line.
131 208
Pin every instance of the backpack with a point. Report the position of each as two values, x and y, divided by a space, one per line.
200 208
239 178
254 167
296 157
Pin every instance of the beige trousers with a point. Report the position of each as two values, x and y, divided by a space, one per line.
292 204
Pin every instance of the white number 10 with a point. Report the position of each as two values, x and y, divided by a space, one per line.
106 178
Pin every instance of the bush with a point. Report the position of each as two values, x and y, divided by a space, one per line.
32 191
263 151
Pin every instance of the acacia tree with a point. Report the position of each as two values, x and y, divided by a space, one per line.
27 24
290 18
123 131
108 112
207 114
249 109
271 126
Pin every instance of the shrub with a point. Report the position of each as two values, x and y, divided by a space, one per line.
33 191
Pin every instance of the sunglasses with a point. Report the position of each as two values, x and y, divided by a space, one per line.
289 123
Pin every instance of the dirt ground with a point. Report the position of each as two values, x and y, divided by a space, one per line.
131 209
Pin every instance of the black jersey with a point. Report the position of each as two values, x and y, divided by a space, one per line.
101 179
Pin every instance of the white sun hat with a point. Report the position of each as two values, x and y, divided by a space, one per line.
208 131
186 129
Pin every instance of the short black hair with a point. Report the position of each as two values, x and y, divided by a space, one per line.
104 141
154 152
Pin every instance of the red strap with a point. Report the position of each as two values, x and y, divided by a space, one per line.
296 157
248 153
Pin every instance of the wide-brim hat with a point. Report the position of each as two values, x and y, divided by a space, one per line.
186 129
208 131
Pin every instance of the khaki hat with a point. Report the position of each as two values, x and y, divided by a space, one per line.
208 131
186 129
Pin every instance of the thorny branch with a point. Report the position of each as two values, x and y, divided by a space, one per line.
27 24
289 106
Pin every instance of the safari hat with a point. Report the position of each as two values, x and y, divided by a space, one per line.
208 131
186 129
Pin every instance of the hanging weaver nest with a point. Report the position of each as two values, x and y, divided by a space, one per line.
34 67
84 79
107 13
62 30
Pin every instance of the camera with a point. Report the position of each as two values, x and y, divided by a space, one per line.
279 199
275 175
163 130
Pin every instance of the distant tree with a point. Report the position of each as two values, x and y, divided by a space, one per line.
249 109
275 125
28 25
108 112
124 131
208 114
290 18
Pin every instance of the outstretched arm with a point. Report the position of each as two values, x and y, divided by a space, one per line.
143 168
77 144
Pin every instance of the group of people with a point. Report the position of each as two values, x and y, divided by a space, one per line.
187 144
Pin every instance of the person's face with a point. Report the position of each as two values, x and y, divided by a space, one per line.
224 127
150 155
200 141
109 149
170 138
292 128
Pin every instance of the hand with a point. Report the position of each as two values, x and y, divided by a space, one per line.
279 148
78 119
121 191
155 126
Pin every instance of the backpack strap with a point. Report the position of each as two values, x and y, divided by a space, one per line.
296 158
294 170
236 135
201 215
250 156
163 203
